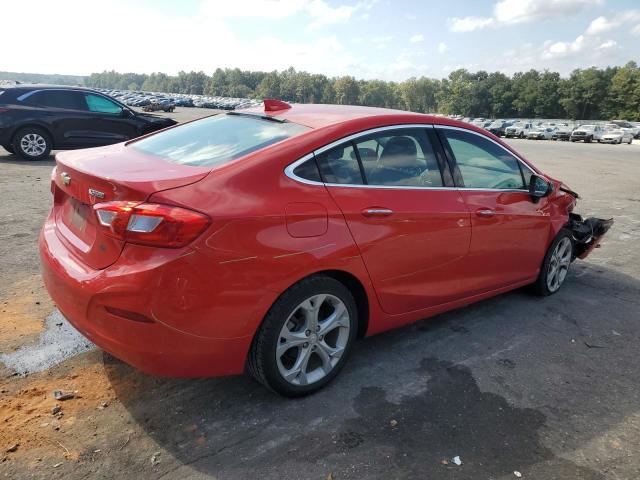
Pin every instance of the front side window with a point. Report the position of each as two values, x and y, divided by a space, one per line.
217 139
399 158
482 163
99 104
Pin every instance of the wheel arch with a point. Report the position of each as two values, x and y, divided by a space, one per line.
33 125
350 281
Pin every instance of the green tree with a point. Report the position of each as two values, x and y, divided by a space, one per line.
346 90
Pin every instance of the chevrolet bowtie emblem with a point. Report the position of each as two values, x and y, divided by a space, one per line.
66 178
96 193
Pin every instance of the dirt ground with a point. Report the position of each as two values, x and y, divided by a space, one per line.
549 388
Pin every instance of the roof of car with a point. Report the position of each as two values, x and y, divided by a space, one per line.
321 115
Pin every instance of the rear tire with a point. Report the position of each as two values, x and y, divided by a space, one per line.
555 265
521 135
305 338
32 143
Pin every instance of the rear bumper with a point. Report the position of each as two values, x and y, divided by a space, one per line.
157 347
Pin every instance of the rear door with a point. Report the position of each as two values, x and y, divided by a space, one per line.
509 230
411 226
65 112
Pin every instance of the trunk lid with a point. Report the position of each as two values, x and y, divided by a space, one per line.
83 178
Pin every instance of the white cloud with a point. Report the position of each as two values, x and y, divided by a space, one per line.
608 44
442 47
512 12
323 14
319 11
636 30
523 11
559 49
269 9
600 25
417 38
603 24
381 42
469 24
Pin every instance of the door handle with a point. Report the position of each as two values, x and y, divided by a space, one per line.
376 212
485 212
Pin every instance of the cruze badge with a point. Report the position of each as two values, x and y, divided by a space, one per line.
66 178
96 193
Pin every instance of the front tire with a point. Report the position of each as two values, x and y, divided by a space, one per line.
555 265
305 337
32 143
521 135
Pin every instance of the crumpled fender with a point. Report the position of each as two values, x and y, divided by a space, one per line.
561 203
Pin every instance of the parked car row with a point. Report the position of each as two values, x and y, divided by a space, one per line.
616 131
142 99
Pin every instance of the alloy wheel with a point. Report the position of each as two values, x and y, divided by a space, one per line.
33 144
313 339
559 264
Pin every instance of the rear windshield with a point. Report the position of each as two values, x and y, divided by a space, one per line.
216 140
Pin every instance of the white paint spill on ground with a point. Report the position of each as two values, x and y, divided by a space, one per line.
57 342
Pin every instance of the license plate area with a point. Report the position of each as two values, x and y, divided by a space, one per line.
75 216
78 215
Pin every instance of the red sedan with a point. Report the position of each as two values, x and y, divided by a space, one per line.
270 239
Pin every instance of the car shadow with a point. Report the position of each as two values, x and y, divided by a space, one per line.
13 159
513 383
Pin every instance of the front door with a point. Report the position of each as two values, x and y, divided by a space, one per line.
509 230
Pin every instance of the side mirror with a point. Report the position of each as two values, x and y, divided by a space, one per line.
539 187
125 113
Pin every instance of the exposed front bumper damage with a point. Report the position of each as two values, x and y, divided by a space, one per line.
587 233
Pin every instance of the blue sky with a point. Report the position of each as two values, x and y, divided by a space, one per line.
385 39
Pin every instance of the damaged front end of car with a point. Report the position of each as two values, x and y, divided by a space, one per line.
586 232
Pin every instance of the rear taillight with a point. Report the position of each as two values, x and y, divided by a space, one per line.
150 223
3 110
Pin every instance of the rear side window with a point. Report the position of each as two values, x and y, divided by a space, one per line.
216 140
340 165
482 163
65 99
96 103
308 170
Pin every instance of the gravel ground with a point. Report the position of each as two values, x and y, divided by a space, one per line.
546 387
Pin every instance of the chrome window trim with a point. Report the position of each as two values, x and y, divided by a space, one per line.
24 96
288 171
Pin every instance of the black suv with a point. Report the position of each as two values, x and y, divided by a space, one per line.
34 119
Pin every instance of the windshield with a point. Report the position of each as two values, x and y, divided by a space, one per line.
587 127
216 140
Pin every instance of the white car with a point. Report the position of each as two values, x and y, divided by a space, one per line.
587 133
541 133
635 130
617 136
520 130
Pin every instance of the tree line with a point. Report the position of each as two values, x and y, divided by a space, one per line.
591 93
